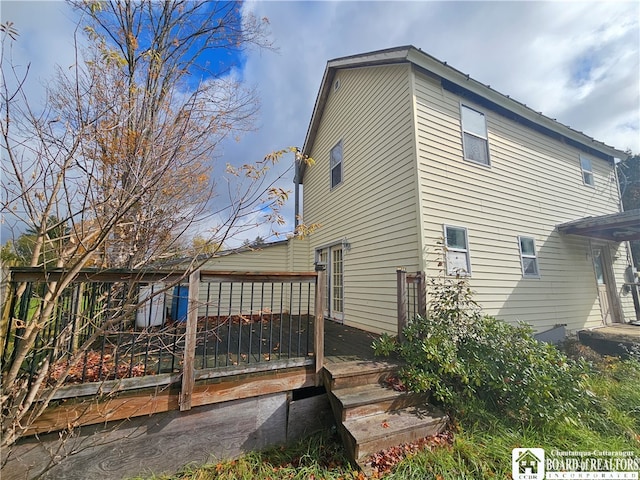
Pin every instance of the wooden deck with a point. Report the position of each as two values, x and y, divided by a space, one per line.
345 344
127 398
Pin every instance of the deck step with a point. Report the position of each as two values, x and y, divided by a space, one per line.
370 416
358 372
371 399
364 436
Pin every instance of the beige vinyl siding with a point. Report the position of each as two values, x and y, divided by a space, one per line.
268 258
374 210
290 256
298 255
533 184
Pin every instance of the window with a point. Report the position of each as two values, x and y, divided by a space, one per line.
474 136
587 171
457 251
336 165
528 257
598 266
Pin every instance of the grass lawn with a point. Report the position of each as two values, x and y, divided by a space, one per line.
478 445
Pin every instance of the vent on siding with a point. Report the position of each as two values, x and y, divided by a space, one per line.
336 85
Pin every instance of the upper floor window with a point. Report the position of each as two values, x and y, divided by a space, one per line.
528 257
457 250
335 165
474 135
587 171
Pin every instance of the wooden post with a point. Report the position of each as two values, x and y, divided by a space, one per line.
402 302
318 338
188 367
421 292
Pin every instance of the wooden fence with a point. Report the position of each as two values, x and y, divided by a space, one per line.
130 329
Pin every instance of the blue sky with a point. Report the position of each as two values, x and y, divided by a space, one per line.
576 62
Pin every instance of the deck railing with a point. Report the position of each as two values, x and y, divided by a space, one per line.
127 324
412 297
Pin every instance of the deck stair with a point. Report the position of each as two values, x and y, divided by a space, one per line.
371 416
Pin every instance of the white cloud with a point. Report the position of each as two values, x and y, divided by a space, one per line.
576 62
45 39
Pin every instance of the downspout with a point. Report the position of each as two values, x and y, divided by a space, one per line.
296 182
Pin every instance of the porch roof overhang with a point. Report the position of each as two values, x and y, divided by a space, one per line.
616 227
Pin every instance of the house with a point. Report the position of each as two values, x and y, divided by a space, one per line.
528 462
410 151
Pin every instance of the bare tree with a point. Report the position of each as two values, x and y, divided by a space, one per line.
121 156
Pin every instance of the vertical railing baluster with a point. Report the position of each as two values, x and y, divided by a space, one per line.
422 294
205 341
271 323
102 349
240 323
133 351
230 321
251 323
12 308
146 353
83 377
260 321
218 328
290 319
401 286
157 337
306 348
299 313
281 320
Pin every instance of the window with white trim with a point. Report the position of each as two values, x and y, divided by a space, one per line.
587 171
335 165
457 250
474 135
528 257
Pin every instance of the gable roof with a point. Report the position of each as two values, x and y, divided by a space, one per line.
527 455
460 84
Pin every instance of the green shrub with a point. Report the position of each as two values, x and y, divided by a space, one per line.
460 355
